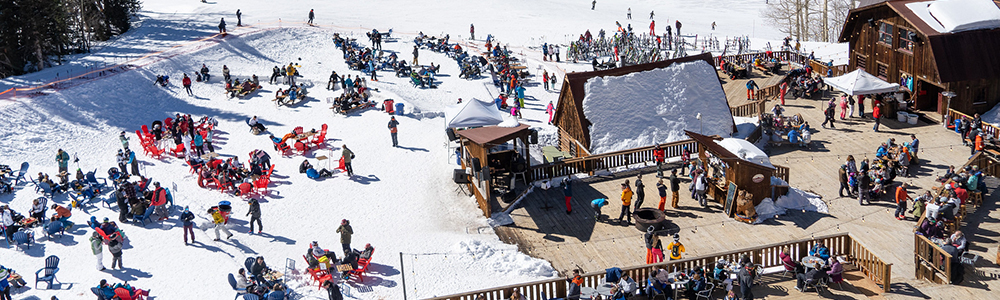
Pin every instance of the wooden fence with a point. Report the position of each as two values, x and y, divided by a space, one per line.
932 262
752 109
986 163
781 172
954 115
605 161
871 265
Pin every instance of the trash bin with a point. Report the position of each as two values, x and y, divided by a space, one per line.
387 105
912 119
901 116
399 109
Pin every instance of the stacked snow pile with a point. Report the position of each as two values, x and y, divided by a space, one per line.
644 108
796 199
507 260
746 150
957 15
767 210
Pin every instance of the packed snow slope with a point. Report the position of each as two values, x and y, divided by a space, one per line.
656 106
401 199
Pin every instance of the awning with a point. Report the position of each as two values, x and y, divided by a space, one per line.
472 113
860 82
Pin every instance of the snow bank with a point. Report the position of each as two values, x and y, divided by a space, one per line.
745 126
656 106
746 150
767 210
801 200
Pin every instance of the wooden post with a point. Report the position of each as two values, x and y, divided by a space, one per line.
886 278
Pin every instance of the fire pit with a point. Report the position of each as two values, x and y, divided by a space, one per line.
645 217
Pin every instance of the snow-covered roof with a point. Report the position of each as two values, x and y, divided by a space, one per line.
648 107
746 150
957 15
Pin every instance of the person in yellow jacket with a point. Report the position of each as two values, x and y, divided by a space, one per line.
220 224
626 202
290 74
675 248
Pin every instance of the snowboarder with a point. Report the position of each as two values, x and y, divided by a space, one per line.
472 31
312 15
222 26
97 244
345 232
115 248
239 18
63 159
392 130
254 214
220 224
187 219
347 155
187 86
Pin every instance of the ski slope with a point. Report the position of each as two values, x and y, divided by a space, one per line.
400 200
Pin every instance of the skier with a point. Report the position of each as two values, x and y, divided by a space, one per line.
392 130
220 224
96 244
187 86
312 15
345 232
222 26
187 218
239 18
254 214
347 155
472 31
63 159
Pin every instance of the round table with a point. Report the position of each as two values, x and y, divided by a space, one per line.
812 262
605 289
588 292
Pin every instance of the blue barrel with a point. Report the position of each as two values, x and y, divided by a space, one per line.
399 109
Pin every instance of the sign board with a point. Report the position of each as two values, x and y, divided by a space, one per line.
730 199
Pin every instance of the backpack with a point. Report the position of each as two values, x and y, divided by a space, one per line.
675 250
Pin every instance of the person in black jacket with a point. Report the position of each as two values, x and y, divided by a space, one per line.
640 192
254 214
257 271
333 290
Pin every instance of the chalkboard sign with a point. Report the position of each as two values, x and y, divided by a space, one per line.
730 199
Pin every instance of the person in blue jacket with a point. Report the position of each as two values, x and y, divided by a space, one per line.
520 94
793 136
106 289
597 204
820 250
198 143
751 85
882 151
134 162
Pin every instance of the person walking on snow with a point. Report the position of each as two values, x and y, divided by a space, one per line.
115 247
239 18
63 159
472 31
187 220
222 26
629 14
187 84
220 224
415 54
392 130
312 15
254 214
347 155
593 4
97 244
345 232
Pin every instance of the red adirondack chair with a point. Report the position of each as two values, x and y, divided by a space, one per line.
124 294
167 123
341 166
178 151
145 131
320 139
263 181
246 190
362 267
153 151
318 274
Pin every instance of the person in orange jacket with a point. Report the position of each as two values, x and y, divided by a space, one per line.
62 215
626 202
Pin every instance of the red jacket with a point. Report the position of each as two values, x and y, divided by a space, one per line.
659 154
876 112
159 197
186 81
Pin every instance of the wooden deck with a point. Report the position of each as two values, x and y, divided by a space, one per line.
578 241
736 90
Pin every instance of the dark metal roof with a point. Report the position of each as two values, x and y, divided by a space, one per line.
865 3
493 135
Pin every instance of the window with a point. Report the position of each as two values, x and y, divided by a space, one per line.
883 71
860 62
906 39
885 33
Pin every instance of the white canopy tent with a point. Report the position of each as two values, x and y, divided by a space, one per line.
860 82
472 113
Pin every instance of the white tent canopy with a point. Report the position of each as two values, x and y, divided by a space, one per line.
472 113
860 82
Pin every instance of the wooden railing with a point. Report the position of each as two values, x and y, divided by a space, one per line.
781 172
871 265
821 69
751 109
932 262
604 161
784 56
755 135
987 127
986 163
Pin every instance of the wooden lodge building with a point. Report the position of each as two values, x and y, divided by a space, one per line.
901 39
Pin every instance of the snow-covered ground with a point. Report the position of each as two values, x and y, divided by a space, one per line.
400 200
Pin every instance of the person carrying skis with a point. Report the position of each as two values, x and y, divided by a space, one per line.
392 130
186 81
187 220
254 214
222 26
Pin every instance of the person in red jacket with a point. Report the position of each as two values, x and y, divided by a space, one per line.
659 155
187 84
159 202
877 114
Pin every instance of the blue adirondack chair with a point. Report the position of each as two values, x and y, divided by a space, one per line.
145 216
50 269
250 297
20 173
232 283
54 227
22 238
92 179
275 295
97 291
248 263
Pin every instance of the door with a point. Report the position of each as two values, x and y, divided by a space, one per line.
927 96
